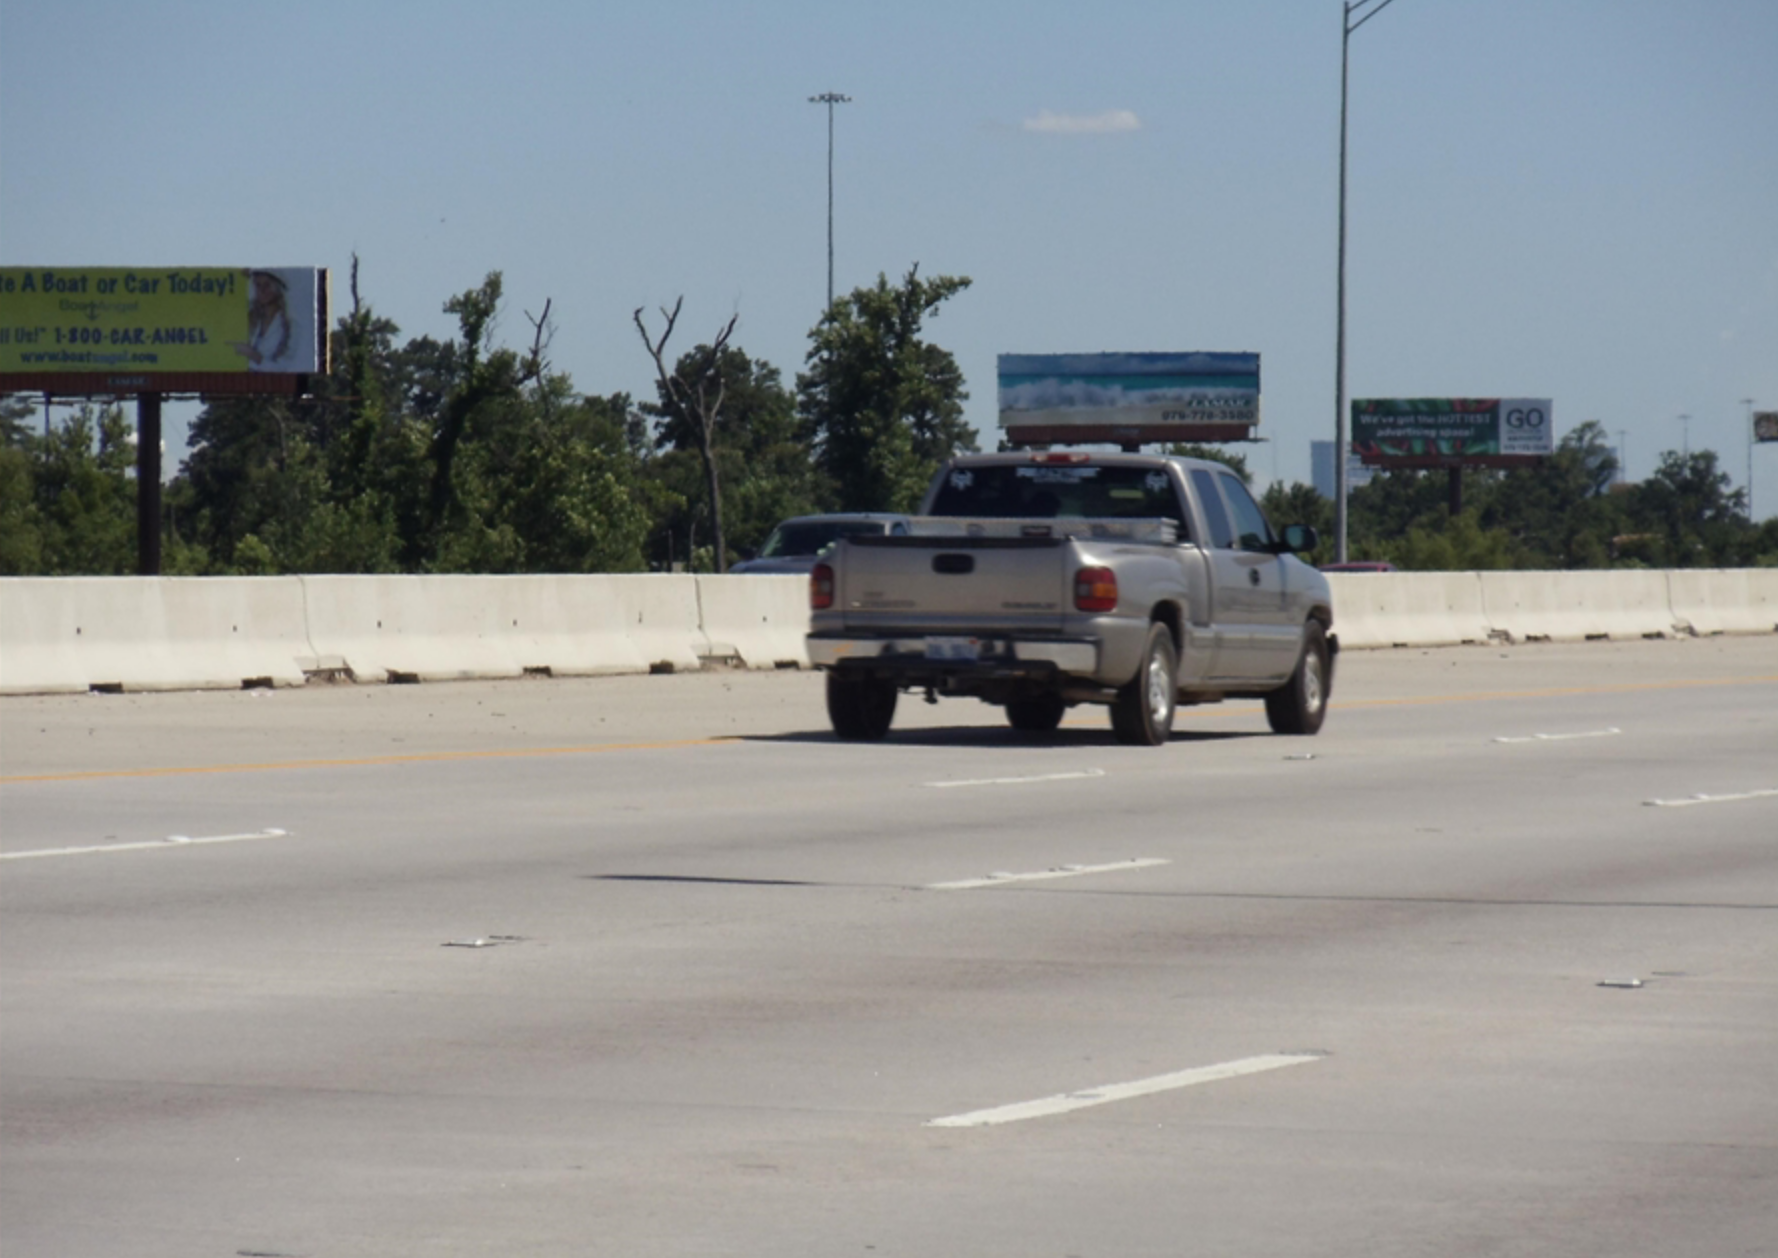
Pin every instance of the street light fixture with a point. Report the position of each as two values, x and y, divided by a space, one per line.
830 99
1363 11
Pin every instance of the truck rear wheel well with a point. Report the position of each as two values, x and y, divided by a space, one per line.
1169 615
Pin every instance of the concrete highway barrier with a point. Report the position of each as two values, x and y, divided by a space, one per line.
1572 606
1378 609
150 633
435 628
760 621
1725 600
73 634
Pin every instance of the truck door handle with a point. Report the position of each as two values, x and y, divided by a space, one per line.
1253 576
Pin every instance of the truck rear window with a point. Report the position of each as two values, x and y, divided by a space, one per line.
1042 492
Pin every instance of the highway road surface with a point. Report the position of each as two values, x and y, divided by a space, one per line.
655 966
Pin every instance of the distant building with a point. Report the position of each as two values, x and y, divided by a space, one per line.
1321 469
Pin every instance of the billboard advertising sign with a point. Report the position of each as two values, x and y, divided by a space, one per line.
1442 431
158 321
1142 396
1765 425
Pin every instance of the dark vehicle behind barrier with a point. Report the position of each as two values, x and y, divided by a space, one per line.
794 543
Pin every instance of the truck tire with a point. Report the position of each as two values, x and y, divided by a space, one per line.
1300 704
1142 713
860 707
1036 714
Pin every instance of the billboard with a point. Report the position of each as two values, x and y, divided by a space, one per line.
1445 431
1124 397
1765 425
149 322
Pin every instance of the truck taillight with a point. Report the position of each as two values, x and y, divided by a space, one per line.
1095 590
821 587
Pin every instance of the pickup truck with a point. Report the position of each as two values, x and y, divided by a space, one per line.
1037 580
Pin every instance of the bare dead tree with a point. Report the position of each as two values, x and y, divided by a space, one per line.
542 334
536 364
698 396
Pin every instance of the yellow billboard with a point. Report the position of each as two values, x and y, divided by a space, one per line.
148 320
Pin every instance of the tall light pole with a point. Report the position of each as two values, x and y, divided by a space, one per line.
830 99
1686 435
1364 11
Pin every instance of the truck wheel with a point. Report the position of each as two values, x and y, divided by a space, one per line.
1300 704
860 707
1036 714
1142 713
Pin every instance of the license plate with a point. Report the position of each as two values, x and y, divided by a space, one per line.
952 649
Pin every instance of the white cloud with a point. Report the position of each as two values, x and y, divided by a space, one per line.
1084 124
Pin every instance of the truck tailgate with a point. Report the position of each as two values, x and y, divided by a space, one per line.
954 584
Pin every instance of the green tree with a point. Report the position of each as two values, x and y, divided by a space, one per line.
881 406
1558 512
1456 545
480 402
564 495
1688 514
21 539
85 495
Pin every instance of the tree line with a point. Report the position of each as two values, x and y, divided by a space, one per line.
466 455
1567 511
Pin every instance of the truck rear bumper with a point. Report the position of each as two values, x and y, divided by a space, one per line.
918 659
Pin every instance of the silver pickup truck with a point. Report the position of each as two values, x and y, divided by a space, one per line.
1040 580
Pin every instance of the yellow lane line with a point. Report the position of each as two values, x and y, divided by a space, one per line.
1336 704
427 757
1559 691
594 749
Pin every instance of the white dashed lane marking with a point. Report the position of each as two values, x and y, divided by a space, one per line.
1041 777
1560 738
172 840
1707 799
1063 871
1069 1101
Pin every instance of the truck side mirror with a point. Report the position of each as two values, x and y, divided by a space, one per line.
1299 538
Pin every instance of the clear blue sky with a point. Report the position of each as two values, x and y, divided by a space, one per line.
1575 199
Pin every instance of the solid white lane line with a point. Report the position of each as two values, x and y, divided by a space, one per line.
1707 799
172 840
1068 1101
1559 738
1064 871
1041 777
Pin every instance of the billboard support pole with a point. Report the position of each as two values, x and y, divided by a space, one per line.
1456 492
148 484
1748 403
